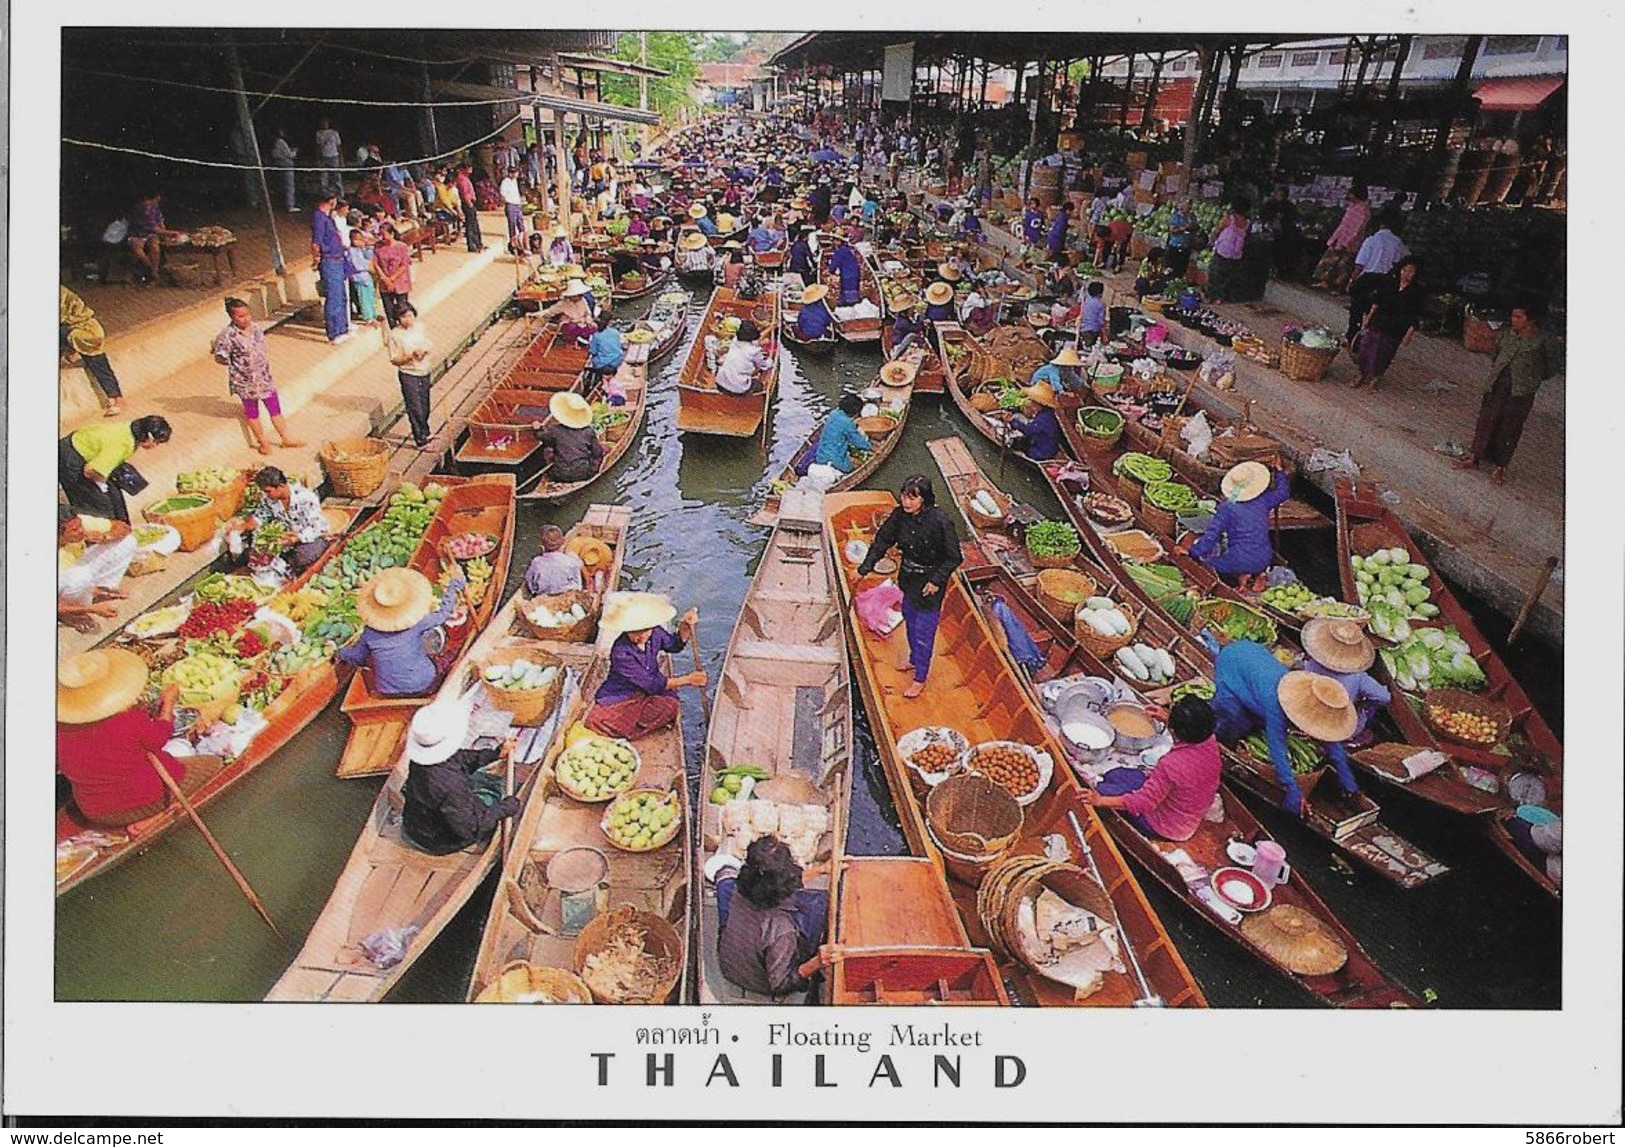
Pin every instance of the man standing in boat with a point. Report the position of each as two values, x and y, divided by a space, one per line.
844 262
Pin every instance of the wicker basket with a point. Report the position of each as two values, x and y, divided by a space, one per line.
1164 522
972 816
1463 702
196 527
184 274
1229 450
877 427
1053 563
559 603
1098 439
528 706
614 432
1054 582
1211 611
361 468
660 939
1301 364
519 980
1004 502
229 499
1099 644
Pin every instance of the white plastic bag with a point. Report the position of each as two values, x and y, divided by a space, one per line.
1198 435
820 477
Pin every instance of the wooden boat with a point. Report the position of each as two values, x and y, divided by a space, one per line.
930 379
897 398
702 408
1357 832
648 283
378 723
667 322
858 331
502 435
972 366
821 347
974 689
552 362
524 924
783 702
389 883
616 440
85 850
899 940
1363 525
1184 867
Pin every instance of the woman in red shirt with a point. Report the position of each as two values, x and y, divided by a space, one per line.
104 736
1170 801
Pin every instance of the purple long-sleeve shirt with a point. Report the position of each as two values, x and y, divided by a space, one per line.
635 672
400 667
1245 528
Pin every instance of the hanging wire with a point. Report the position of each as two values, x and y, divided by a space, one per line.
97 146
156 81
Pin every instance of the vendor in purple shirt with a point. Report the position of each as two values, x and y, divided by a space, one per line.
637 697
397 606
147 234
1341 650
1242 522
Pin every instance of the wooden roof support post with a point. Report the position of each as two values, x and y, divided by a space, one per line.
1150 108
1194 128
251 145
561 162
1456 100
1128 94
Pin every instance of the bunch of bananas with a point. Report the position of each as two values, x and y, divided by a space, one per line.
478 571
300 604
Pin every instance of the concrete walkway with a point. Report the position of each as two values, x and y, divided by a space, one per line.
327 392
1492 540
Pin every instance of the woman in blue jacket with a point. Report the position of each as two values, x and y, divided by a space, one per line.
1242 523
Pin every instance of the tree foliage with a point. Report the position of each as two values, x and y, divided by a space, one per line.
674 52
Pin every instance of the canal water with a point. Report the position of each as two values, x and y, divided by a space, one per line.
171 926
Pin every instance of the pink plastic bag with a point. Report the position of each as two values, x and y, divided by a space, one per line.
880 608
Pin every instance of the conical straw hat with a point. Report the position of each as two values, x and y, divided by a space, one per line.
898 373
1341 646
1298 940
394 599
628 612
97 684
570 409
1245 481
1318 705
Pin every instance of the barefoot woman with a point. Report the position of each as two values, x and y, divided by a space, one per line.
930 549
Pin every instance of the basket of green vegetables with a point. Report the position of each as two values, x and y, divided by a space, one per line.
1232 621
1052 545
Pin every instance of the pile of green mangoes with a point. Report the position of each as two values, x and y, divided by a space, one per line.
640 821
597 768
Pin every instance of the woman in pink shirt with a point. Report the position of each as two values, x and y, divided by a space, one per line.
1229 242
1171 800
1335 266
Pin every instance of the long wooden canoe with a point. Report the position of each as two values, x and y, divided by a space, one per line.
551 362
703 408
85 850
502 436
974 688
524 921
388 883
821 347
930 379
896 398
784 703
378 723
632 378
1359 833
648 283
1365 524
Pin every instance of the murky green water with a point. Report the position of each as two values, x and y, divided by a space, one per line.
171 926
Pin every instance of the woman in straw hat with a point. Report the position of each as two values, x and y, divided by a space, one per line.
702 219
398 611
925 537
570 447
841 435
1341 650
637 697
1062 372
815 318
908 328
939 302
450 804
1242 523
574 312
1036 431
1252 690
104 736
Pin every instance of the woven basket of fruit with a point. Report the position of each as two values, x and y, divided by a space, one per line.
1468 719
642 820
597 769
527 687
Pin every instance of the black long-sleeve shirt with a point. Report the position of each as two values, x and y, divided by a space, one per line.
442 813
930 549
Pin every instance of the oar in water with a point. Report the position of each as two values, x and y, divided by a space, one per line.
705 700
185 802
1148 998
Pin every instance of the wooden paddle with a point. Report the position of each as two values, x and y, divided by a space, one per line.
1529 602
705 700
185 802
